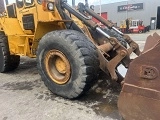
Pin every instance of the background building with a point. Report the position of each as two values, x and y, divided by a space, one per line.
146 10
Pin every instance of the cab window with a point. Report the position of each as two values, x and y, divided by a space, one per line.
39 1
19 3
29 2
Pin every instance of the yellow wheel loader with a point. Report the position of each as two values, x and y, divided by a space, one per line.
71 49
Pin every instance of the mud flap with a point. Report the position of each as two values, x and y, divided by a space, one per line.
140 95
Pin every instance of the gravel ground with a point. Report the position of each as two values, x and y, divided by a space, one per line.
23 96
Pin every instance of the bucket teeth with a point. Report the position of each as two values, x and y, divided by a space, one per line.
151 42
156 36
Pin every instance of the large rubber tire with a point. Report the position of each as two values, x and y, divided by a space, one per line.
7 62
82 56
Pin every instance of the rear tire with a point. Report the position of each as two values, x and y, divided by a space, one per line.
81 54
8 62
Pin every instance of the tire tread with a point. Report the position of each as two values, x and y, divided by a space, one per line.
11 62
86 54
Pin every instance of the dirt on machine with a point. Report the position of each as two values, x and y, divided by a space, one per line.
71 49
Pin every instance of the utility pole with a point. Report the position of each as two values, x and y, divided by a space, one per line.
100 8
127 9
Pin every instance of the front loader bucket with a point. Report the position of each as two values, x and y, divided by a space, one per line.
140 95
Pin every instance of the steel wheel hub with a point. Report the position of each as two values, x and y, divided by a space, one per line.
57 66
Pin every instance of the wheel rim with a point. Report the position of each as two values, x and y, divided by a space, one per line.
57 66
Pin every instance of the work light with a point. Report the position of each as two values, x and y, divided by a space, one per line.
50 6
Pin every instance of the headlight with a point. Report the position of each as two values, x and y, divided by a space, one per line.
50 6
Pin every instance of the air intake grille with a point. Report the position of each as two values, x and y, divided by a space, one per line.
28 22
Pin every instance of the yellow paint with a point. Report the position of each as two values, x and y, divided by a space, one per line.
60 65
25 42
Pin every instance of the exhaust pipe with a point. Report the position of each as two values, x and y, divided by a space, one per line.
2 7
6 2
73 4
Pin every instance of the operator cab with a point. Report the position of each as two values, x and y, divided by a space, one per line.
24 3
11 8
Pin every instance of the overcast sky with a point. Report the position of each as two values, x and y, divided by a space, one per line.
91 2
